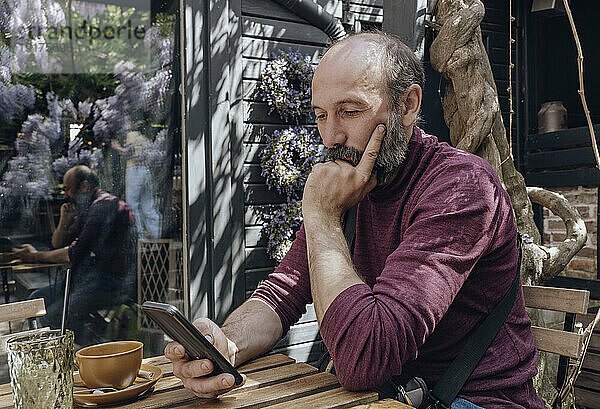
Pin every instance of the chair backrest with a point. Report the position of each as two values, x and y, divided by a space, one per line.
22 310
561 342
18 311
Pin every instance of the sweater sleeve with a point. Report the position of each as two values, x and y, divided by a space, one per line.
372 333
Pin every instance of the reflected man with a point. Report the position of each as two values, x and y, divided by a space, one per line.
96 235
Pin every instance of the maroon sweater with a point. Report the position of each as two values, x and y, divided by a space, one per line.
437 251
107 229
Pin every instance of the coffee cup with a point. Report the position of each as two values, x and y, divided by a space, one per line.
112 364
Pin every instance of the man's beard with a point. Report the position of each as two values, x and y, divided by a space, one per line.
82 201
391 154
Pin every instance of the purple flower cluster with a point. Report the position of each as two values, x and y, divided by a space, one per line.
154 91
285 84
159 45
133 93
20 15
58 107
25 22
12 61
26 177
36 126
280 225
76 155
290 153
27 172
130 85
288 158
15 99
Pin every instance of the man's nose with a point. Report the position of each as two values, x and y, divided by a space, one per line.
332 134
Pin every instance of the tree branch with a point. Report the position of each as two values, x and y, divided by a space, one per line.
581 90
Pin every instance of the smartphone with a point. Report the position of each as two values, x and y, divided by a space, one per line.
176 326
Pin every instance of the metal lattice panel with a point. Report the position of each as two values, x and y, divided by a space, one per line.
160 275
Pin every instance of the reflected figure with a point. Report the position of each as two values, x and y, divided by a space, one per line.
139 184
97 236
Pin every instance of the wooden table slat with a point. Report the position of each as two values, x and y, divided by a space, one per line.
273 381
156 360
267 377
270 395
265 362
6 401
255 380
174 394
258 364
335 398
5 389
384 404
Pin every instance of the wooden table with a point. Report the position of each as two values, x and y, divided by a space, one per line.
275 381
18 267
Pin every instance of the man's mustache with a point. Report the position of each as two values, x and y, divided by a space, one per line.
343 152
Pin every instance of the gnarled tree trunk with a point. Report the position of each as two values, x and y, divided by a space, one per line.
472 112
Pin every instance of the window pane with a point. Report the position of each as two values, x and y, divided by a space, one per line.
92 84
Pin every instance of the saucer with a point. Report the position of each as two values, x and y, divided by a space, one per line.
139 387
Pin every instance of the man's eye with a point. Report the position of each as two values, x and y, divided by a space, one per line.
351 113
320 117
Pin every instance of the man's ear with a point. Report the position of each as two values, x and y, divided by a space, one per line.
411 105
84 186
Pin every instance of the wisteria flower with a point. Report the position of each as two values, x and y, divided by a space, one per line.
280 225
285 84
288 158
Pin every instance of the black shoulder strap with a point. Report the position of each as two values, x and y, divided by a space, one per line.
452 381
350 227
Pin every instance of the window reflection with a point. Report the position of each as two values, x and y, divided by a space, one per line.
93 84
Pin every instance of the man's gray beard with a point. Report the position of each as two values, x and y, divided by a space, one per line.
391 154
82 201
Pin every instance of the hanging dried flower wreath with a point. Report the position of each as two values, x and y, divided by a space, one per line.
285 84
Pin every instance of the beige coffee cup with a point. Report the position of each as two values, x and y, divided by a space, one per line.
112 364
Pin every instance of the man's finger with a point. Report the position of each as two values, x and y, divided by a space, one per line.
195 368
371 151
174 351
212 386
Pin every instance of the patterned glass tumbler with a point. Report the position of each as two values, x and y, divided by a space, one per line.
41 369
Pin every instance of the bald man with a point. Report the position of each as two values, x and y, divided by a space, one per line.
96 236
435 247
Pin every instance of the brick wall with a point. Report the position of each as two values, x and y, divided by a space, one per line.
585 199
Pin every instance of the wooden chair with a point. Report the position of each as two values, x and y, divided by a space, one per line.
18 311
587 385
566 343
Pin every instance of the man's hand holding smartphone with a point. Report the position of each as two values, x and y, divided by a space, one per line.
195 374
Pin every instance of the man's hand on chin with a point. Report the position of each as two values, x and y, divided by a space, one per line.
334 187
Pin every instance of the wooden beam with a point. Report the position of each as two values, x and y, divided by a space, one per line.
556 299
593 286
22 309
561 139
562 178
587 398
561 159
557 342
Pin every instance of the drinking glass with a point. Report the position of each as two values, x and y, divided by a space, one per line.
41 369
